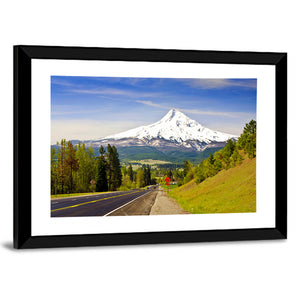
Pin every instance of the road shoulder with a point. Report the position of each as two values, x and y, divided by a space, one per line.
140 206
165 205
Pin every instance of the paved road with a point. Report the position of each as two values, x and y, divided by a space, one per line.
94 205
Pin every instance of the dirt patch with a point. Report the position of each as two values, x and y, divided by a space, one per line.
165 205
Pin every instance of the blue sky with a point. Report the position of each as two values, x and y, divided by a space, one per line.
93 107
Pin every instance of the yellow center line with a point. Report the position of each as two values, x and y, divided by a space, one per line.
93 201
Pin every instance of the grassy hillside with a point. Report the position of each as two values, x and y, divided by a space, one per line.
230 191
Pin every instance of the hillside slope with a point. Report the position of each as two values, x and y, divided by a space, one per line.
230 191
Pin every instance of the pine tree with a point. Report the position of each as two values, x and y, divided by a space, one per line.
218 165
148 172
130 172
200 173
247 140
114 173
227 152
236 158
170 173
187 166
101 178
211 159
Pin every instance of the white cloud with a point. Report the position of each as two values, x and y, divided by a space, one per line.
114 92
150 103
235 115
62 82
219 83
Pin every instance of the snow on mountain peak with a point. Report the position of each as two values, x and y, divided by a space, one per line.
174 116
176 127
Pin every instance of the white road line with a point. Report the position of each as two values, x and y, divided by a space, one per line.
126 204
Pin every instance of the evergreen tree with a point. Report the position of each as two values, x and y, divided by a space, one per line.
236 158
247 140
145 176
200 174
227 152
101 178
218 165
187 166
170 173
250 127
130 172
211 159
229 147
114 173
148 175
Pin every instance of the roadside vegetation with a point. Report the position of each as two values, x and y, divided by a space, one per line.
230 191
225 181
77 169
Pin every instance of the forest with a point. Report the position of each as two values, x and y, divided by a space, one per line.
230 156
77 168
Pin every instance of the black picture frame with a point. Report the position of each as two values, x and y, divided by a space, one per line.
23 56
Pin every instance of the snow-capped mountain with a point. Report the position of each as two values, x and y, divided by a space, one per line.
174 130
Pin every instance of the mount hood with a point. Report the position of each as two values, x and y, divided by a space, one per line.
174 131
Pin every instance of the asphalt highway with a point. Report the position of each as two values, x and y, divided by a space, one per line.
94 205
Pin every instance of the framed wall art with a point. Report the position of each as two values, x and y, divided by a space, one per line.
143 146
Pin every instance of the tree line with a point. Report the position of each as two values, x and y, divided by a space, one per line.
78 169
228 157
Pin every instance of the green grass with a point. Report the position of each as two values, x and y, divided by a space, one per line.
74 194
150 162
136 164
230 191
169 187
